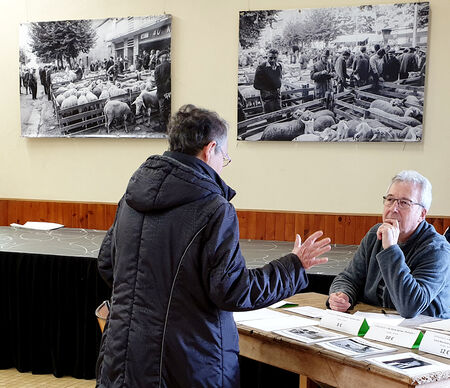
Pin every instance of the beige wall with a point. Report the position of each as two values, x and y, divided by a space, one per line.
342 177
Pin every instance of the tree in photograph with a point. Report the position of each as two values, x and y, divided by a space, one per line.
251 24
23 57
61 39
321 26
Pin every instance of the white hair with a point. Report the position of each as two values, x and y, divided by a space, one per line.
414 177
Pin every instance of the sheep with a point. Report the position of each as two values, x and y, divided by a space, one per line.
364 132
308 115
97 91
287 130
322 122
91 97
69 102
412 100
414 112
104 95
82 100
388 107
413 133
147 100
406 120
59 99
307 137
115 109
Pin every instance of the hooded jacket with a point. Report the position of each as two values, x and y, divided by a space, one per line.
173 259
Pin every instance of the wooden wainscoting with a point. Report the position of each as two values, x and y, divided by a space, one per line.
253 224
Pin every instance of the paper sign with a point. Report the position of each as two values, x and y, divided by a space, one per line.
396 335
436 343
344 322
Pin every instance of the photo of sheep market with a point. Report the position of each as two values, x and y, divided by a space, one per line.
333 74
95 78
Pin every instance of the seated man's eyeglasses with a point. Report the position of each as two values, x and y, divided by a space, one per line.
402 203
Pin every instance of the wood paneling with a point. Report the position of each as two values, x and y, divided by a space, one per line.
253 224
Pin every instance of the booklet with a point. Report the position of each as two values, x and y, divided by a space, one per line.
356 347
38 225
410 364
309 334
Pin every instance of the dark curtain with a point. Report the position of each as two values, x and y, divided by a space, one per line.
47 321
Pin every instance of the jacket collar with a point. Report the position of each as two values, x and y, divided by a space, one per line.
201 167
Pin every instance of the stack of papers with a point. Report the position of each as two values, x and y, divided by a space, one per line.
37 225
269 320
442 326
384 319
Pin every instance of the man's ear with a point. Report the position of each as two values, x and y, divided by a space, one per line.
423 214
209 150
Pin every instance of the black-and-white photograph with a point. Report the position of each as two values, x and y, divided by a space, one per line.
333 74
356 347
96 78
410 364
310 334
406 363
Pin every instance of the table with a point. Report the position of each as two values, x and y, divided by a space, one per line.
317 363
50 287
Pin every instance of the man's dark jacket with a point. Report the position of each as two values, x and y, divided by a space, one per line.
176 269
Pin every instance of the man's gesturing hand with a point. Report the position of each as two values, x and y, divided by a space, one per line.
310 249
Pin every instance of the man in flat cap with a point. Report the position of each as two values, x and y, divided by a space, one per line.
321 74
163 88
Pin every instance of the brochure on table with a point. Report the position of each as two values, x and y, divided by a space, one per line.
309 334
410 364
37 225
309 311
356 347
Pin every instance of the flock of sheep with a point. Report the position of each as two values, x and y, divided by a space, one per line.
324 126
79 95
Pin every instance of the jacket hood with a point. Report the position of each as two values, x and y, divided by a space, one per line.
162 182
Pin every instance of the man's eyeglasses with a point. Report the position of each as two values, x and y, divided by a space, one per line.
273 57
402 203
226 158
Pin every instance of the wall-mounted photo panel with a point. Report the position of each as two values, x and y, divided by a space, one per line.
95 78
333 74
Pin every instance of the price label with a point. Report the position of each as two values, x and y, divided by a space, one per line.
400 336
436 343
344 322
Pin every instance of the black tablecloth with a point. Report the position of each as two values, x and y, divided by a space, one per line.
47 320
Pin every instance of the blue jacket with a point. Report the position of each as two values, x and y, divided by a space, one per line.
413 277
177 273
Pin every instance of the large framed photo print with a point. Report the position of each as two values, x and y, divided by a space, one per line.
95 78
333 74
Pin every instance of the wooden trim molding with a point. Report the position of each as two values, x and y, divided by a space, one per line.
253 224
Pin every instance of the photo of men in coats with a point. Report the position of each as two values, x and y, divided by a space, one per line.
333 74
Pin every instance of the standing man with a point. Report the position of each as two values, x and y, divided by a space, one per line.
402 263
391 67
163 88
32 83
361 67
48 81
268 81
176 269
321 74
408 63
340 68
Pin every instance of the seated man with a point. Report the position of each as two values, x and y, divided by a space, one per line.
402 263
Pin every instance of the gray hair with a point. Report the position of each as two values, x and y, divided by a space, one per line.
414 177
